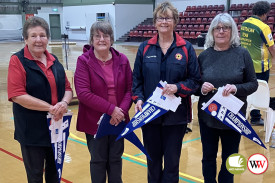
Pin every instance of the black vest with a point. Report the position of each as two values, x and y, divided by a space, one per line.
31 126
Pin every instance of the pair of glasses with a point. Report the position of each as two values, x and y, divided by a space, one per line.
224 29
167 19
105 36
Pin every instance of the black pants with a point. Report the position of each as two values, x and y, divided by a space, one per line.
163 143
255 114
35 159
106 155
230 141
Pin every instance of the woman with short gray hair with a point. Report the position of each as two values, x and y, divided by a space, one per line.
223 64
103 80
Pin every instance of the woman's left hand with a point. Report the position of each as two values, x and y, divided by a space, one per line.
229 89
170 89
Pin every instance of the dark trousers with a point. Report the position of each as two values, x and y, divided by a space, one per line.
163 143
35 159
230 141
255 114
106 155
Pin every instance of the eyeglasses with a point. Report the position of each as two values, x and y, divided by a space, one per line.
167 19
105 36
224 29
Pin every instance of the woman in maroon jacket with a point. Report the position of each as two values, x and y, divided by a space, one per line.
103 80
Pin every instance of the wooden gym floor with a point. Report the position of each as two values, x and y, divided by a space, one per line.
76 166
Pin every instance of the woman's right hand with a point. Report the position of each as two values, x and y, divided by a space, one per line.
138 106
207 87
117 116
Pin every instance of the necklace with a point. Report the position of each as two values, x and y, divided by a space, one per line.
103 59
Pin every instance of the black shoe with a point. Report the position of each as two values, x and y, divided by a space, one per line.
259 122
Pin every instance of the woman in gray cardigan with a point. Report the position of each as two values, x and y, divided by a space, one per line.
223 63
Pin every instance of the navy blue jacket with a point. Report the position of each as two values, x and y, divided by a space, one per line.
181 68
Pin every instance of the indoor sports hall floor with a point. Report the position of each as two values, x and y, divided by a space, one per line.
76 166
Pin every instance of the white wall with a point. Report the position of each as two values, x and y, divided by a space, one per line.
182 4
85 16
129 15
10 27
248 1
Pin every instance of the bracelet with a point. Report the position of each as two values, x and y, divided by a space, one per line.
65 102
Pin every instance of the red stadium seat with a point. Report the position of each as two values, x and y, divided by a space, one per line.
239 7
199 8
196 14
150 34
180 14
204 21
271 12
178 28
236 19
202 14
201 28
197 34
204 8
193 8
193 20
184 27
190 27
207 14
187 21
182 20
196 28
188 8
192 35
155 32
213 13
190 14
233 7
221 7
216 7
209 20
245 6
186 35
145 34
198 21
181 34
206 27
131 33
270 20
185 14
272 5
210 8
244 13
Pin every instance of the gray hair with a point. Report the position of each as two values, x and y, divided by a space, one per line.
225 19
104 27
35 22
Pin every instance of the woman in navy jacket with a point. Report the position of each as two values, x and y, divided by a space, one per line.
170 58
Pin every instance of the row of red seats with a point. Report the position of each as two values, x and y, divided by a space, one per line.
190 27
196 20
199 14
245 13
270 20
205 8
240 7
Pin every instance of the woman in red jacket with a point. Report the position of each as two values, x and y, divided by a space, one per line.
103 80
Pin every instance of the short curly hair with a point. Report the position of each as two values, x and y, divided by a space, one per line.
260 8
34 22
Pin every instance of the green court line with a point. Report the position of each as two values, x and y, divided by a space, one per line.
128 159
184 142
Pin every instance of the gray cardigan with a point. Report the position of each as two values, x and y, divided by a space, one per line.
233 66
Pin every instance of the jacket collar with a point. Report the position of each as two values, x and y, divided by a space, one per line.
179 41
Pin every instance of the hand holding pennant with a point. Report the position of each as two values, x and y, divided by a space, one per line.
59 132
105 128
154 107
227 110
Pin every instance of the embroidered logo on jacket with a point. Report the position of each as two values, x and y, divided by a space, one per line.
178 56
